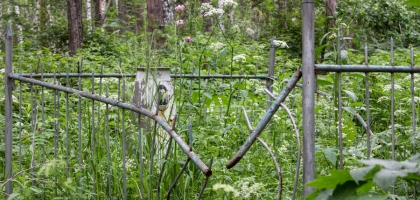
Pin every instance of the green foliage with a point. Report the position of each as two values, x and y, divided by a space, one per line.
357 183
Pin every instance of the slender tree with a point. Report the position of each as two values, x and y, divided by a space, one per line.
74 14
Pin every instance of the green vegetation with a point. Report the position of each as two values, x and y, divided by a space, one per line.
236 42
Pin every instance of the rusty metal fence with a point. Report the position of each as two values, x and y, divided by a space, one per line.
122 105
60 138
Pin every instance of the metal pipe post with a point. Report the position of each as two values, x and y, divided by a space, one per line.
8 84
269 80
308 83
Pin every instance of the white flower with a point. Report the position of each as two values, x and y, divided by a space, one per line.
239 58
388 87
281 44
229 3
216 46
208 10
249 32
258 57
226 188
383 98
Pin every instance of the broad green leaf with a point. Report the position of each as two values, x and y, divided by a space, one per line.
350 110
330 154
318 50
324 195
355 104
385 178
347 189
351 95
208 95
388 164
330 182
323 82
360 173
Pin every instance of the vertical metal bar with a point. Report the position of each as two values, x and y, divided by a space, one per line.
140 145
269 81
168 150
100 93
43 121
92 142
413 113
308 83
67 123
340 108
79 125
367 105
152 153
33 124
123 145
55 127
108 153
8 88
20 119
392 106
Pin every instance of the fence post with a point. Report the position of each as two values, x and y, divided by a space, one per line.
269 80
8 112
308 83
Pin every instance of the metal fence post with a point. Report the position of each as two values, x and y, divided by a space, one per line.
308 83
8 84
269 80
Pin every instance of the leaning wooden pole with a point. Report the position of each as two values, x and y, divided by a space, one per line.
308 83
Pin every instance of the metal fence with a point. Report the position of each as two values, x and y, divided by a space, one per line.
308 112
60 137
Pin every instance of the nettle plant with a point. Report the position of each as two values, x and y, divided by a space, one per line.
357 183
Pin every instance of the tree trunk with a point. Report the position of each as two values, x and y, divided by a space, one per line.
331 6
19 27
36 15
89 14
98 13
74 13
159 12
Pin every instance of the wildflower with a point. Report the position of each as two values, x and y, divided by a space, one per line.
229 3
188 39
180 8
216 46
249 32
208 10
180 23
239 58
279 43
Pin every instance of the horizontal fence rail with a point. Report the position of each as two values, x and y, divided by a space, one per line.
186 76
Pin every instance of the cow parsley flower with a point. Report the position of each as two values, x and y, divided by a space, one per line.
229 4
239 58
249 32
281 44
209 11
216 46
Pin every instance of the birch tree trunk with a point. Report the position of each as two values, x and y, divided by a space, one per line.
89 14
19 27
74 14
36 15
220 6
